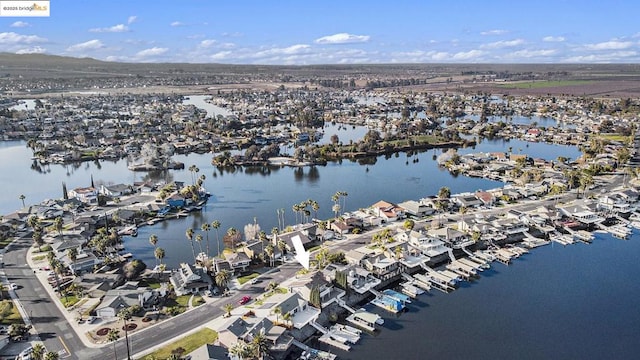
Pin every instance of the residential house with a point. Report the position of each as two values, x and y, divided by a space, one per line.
88 195
466 200
416 209
116 190
209 352
451 237
189 280
382 266
388 212
118 299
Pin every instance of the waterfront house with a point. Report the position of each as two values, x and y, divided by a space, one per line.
84 262
431 247
238 261
188 279
382 266
416 209
388 212
466 200
245 328
305 285
615 202
580 212
298 308
88 195
487 198
116 190
451 237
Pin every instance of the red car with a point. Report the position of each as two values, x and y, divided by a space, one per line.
245 299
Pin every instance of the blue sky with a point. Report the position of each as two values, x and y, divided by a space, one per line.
305 32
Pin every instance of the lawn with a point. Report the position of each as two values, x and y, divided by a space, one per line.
187 344
544 84
69 300
9 313
614 137
245 278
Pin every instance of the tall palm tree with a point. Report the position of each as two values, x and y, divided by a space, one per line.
153 240
286 317
315 206
125 315
72 254
113 335
282 246
57 224
37 352
277 311
260 344
222 278
205 228
199 241
22 197
159 254
216 225
189 235
270 251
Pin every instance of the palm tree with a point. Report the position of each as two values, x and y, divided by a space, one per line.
270 251
260 344
159 254
286 317
463 210
22 197
277 311
72 254
57 224
125 315
222 278
113 335
227 308
282 246
51 355
199 241
37 352
153 240
205 228
189 235
216 225
444 193
315 206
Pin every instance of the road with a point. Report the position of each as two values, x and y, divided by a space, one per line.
57 334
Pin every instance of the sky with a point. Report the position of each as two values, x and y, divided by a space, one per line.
305 32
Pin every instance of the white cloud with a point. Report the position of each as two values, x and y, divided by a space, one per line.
94 44
208 43
553 39
32 50
609 45
467 55
527 54
132 19
290 50
493 32
20 24
502 44
113 29
342 38
222 55
14 38
617 56
154 51
176 24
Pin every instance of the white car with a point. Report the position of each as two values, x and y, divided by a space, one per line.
13 286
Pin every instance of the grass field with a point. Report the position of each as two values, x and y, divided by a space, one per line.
185 345
545 84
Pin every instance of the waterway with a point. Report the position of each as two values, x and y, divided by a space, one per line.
573 302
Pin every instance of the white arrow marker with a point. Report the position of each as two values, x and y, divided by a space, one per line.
302 255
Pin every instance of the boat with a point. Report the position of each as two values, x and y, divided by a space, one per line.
388 303
365 319
404 299
411 290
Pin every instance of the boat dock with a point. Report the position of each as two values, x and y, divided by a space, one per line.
404 299
365 319
331 337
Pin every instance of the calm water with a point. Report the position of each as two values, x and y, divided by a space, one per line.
574 302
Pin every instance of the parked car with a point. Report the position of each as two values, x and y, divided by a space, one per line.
13 286
91 319
245 299
254 281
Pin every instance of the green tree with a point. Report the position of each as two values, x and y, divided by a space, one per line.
206 228
222 278
216 225
260 344
189 235
125 315
51 355
22 197
113 335
227 308
153 240
38 351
